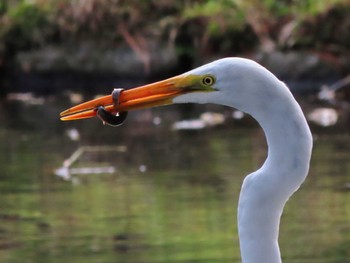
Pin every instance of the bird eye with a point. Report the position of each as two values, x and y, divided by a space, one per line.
208 80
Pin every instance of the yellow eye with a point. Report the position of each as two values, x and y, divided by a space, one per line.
208 80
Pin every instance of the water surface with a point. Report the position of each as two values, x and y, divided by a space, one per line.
172 198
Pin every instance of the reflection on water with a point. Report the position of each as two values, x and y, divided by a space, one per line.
171 198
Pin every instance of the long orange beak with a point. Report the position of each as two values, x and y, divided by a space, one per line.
155 94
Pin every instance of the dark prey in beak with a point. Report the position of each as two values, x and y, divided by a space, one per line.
109 118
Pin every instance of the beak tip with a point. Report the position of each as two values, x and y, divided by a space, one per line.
87 109
64 118
63 113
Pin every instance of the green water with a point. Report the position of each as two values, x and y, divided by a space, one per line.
172 198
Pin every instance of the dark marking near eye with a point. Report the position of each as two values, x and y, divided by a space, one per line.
109 118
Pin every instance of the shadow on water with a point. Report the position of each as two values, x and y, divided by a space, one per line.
171 196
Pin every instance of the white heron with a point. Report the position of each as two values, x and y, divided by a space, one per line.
249 87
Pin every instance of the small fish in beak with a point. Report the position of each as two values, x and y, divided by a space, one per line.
108 117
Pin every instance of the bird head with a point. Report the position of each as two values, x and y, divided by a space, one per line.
226 81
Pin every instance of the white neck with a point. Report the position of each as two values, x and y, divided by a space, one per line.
265 192
247 86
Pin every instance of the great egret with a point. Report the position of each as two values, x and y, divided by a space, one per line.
249 87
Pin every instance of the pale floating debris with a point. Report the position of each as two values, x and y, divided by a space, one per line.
66 172
73 134
157 121
27 98
237 115
207 119
327 93
143 168
212 118
188 125
63 172
75 98
324 116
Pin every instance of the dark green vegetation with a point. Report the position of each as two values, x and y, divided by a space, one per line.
194 28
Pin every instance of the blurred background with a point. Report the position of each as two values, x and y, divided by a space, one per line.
164 186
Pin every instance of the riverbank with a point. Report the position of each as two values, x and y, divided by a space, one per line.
89 70
51 46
